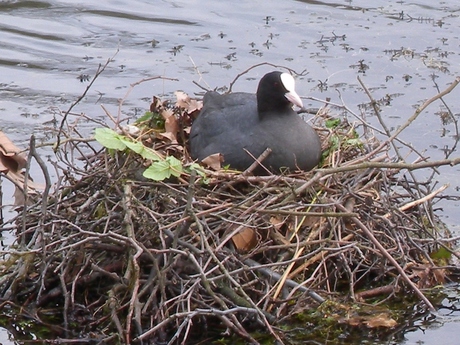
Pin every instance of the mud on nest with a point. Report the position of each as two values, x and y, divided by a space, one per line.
203 253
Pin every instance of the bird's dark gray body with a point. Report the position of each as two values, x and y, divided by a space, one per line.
229 124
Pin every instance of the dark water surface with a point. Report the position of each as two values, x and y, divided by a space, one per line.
49 50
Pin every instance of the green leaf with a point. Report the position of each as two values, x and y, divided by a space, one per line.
158 171
175 165
109 139
335 141
354 142
441 253
198 168
139 148
162 170
146 117
135 146
151 154
332 123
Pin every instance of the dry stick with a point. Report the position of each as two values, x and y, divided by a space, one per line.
424 106
261 313
420 201
28 260
44 206
134 275
379 165
281 282
236 325
198 214
107 112
191 315
99 71
112 303
320 173
381 290
65 294
413 117
297 254
195 67
387 131
132 86
320 255
257 161
376 110
306 213
76 280
246 210
456 135
188 209
26 189
387 255
289 282
258 65
207 285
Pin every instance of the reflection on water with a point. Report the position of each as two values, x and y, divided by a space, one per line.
50 49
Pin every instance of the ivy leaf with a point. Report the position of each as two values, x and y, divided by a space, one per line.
162 170
158 171
146 117
332 123
354 142
198 168
109 139
140 149
175 166
135 146
151 154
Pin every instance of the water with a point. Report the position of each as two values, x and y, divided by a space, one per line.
49 50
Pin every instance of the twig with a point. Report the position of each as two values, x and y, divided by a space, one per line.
257 161
133 273
288 282
131 88
100 70
258 65
421 108
385 253
420 201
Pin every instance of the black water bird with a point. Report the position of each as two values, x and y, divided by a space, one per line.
234 123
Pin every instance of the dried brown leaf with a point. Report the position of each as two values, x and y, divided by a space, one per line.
171 124
245 240
427 276
11 158
156 105
372 321
18 179
277 222
171 127
213 161
184 101
380 320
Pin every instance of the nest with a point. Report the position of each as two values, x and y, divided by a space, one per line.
201 253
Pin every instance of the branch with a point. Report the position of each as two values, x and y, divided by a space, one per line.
99 71
387 255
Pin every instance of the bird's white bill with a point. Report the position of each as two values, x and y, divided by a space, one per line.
289 84
294 98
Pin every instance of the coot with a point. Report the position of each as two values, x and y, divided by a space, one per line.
232 123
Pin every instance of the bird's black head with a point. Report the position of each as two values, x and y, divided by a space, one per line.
276 93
